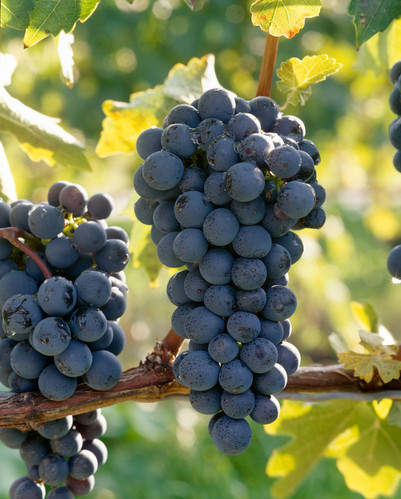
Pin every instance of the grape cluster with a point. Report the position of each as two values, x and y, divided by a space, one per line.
222 184
58 331
394 257
62 329
63 454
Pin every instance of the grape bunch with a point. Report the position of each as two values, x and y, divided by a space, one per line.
222 185
63 454
62 329
394 257
62 292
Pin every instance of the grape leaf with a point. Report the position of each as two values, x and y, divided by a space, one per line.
281 18
187 82
7 184
347 431
125 121
297 76
15 13
39 135
49 17
378 358
372 16
366 315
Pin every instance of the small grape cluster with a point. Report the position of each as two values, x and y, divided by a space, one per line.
394 257
63 454
64 328
222 184
62 292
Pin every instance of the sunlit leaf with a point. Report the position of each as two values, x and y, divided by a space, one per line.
366 315
40 136
379 53
8 63
49 17
185 83
282 18
350 432
371 16
15 13
66 56
383 483
7 184
126 120
297 76
312 427
378 358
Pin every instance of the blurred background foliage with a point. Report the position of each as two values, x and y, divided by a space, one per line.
163 450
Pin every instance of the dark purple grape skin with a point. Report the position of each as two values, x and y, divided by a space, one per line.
73 199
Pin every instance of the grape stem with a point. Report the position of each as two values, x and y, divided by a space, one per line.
267 68
153 381
12 234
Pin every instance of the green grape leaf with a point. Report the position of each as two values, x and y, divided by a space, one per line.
281 18
7 184
364 446
297 76
40 136
49 17
378 358
125 121
144 251
366 315
15 13
372 16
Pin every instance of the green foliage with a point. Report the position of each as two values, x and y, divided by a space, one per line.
297 77
281 18
365 446
52 16
15 14
372 16
378 358
40 136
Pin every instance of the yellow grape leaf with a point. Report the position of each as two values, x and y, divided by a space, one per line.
283 18
378 357
297 76
384 482
366 315
126 120
347 431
